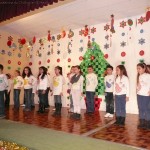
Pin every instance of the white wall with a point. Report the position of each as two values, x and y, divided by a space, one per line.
131 59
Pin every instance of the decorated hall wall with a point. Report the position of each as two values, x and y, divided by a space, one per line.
127 42
13 55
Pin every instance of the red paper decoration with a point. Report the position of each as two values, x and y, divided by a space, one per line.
19 63
23 41
63 34
92 57
122 24
30 63
9 61
141 20
80 58
9 43
49 36
48 61
69 59
106 27
141 53
148 15
106 56
34 39
58 60
39 62
123 54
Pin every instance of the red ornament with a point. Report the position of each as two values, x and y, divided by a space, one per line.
30 63
39 62
9 43
48 61
63 34
123 54
123 24
49 36
106 56
80 58
69 59
58 60
23 41
86 31
92 57
141 53
19 63
9 61
34 39
147 15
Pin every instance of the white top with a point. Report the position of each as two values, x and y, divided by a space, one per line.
109 83
78 85
29 82
42 83
58 82
121 86
18 82
10 83
91 82
3 82
143 88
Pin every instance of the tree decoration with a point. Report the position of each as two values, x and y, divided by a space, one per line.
48 61
148 14
130 22
80 58
141 20
95 58
141 60
123 54
112 30
141 41
123 44
122 24
106 46
9 61
93 30
49 36
70 34
69 59
63 34
106 56
106 27
141 53
58 60
19 63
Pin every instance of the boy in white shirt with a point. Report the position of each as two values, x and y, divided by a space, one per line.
3 86
109 87
91 84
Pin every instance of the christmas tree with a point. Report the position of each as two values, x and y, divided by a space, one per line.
95 57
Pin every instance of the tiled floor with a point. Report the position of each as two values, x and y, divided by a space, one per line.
94 126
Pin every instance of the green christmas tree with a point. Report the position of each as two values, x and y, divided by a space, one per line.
95 57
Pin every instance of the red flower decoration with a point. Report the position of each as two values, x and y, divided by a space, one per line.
122 24
9 43
123 54
48 61
9 61
39 62
19 63
106 56
141 20
141 53
106 27
30 63
69 59
58 60
80 58
23 41
92 57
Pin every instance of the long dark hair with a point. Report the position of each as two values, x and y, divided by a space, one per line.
77 66
29 73
59 68
44 72
142 65
122 70
18 72
148 66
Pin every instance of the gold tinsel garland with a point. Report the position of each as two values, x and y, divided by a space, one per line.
4 145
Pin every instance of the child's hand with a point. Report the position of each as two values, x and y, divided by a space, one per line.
127 99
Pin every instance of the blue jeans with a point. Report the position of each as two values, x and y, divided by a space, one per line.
16 98
143 105
120 102
57 99
90 101
42 98
46 97
32 102
71 102
28 98
2 104
109 102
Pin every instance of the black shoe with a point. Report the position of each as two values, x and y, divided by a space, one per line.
141 124
59 109
147 125
78 116
122 121
117 121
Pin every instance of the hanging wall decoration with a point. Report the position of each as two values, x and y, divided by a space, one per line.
81 32
9 53
53 39
141 41
3 52
106 27
148 14
122 24
106 46
123 44
34 40
70 34
30 63
123 54
41 41
93 30
130 22
52 50
141 20
49 36
58 37
14 46
9 42
112 30
85 32
141 53
63 33
21 42
107 37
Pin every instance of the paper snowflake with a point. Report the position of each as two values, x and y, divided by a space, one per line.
81 41
81 49
69 51
58 52
141 20
141 41
123 34
122 24
107 37
9 53
106 46
93 39
106 27
123 44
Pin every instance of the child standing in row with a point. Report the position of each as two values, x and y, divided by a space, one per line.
91 84
143 96
18 84
77 92
121 93
58 82
109 87
3 86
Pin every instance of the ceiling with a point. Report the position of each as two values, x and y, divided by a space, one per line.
75 15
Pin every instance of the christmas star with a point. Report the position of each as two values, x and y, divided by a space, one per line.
141 20
106 46
93 30
122 24
107 37
141 41
81 49
106 27
123 44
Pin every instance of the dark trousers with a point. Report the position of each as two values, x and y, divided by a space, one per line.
2 104
109 102
71 102
46 97
42 98
32 101
57 99
28 98
7 98
16 98
143 106
90 101
120 102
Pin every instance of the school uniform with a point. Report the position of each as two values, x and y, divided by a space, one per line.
76 90
18 84
42 86
3 86
91 84
109 87
121 91
143 99
7 92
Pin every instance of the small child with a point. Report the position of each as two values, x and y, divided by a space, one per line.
143 96
3 86
58 82
8 90
121 93
18 84
77 92
109 87
91 84
41 88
